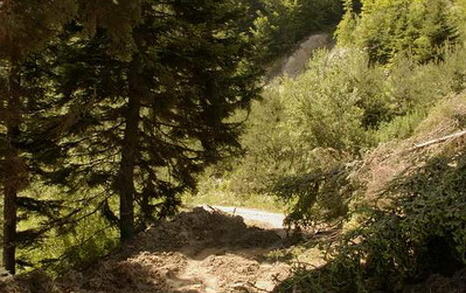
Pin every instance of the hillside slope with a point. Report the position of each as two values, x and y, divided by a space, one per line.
405 224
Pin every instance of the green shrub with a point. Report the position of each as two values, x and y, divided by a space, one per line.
71 244
400 127
413 89
420 232
318 110
335 111
336 100
386 28
316 198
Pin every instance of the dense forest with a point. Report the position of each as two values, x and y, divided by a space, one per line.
117 116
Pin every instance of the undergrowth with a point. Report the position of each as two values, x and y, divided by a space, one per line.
420 232
327 118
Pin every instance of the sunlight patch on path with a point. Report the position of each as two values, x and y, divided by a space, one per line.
273 220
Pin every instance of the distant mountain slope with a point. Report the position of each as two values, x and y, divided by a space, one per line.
296 62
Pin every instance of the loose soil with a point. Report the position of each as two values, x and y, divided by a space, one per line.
197 252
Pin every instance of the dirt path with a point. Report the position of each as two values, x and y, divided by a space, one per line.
202 251
220 270
241 270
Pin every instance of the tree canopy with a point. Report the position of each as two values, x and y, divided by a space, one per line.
117 104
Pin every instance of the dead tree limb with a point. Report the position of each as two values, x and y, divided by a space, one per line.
438 140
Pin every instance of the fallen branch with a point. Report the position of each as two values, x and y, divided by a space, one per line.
250 284
438 140
215 210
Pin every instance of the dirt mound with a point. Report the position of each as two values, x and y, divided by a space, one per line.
245 272
197 251
145 272
203 229
36 282
7 284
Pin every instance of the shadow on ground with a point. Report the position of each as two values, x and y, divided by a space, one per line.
197 252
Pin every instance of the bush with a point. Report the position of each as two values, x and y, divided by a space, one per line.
387 28
334 112
414 89
317 198
297 117
420 232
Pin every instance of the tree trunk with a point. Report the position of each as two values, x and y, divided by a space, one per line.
126 188
9 228
14 172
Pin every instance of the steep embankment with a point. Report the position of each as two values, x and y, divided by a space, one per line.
406 215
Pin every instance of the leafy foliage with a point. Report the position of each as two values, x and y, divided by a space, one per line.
389 28
25 27
320 197
333 113
420 232
282 23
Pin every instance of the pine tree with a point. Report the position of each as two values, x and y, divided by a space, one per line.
27 27
120 102
158 118
387 29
